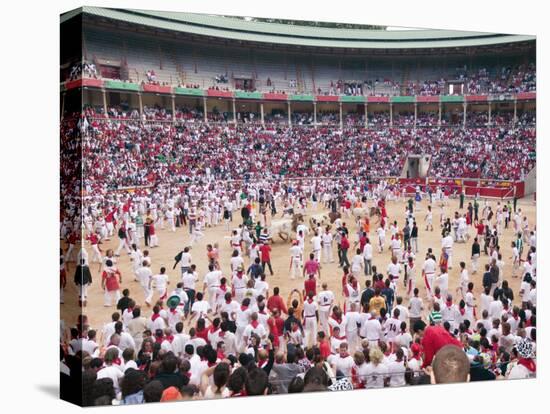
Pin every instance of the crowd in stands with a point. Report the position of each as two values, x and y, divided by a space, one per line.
506 79
133 153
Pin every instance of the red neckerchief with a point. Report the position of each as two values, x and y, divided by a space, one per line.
243 308
213 329
159 340
223 288
254 324
174 311
262 363
309 300
211 364
462 311
345 355
438 295
169 338
228 301
339 320
339 337
221 355
528 363
221 334
154 316
295 328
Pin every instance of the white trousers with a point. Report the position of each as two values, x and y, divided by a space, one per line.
327 254
111 294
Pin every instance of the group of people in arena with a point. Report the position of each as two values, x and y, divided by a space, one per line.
226 331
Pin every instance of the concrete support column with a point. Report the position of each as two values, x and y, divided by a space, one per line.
289 114
234 112
489 114
464 115
204 108
140 105
105 103
366 116
415 114
173 109
341 117
262 112
439 120
391 114
515 112
315 114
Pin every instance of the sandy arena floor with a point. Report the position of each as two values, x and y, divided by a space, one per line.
172 243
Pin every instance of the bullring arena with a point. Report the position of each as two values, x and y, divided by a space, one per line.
208 162
171 243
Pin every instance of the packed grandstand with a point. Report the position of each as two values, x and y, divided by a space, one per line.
153 103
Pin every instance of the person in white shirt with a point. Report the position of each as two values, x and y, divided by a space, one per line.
161 282
443 281
428 273
371 330
392 327
325 299
367 258
326 240
381 238
254 328
415 308
200 308
376 372
295 259
137 260
189 280
394 270
180 340
111 370
310 317
396 369
185 261
211 284
403 311
316 244
145 277
342 361
353 322
462 288
357 263
450 313
236 261
241 321
485 299
447 246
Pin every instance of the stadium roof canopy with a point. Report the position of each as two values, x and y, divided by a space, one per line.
232 28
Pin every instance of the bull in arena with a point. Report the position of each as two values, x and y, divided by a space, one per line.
283 228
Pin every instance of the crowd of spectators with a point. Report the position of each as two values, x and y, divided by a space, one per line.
134 153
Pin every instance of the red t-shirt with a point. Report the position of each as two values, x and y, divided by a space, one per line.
344 244
311 267
310 285
264 250
111 280
480 227
276 301
435 338
324 348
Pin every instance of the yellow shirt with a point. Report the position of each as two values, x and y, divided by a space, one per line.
376 303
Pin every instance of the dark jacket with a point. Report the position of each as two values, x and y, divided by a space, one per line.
82 275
